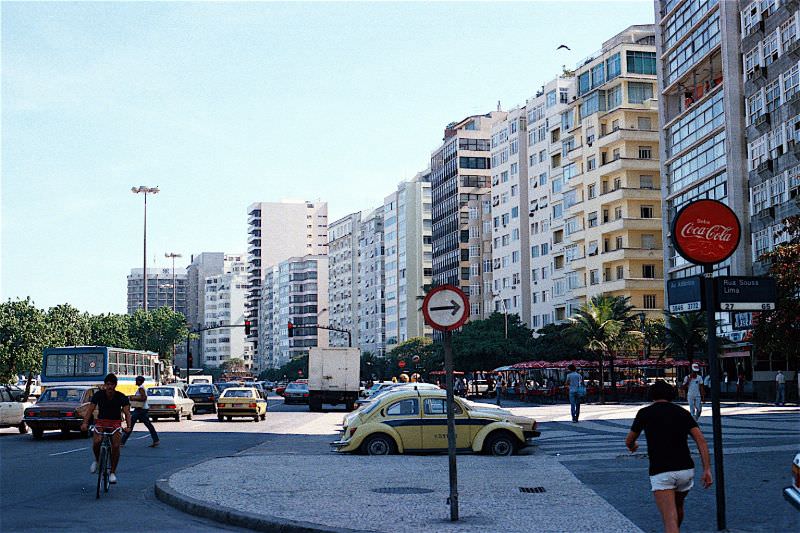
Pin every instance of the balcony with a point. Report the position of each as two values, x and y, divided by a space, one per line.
624 134
621 254
644 224
630 193
254 249
629 163
633 284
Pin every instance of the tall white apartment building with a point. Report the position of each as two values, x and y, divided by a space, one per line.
225 297
343 265
160 290
407 261
201 266
371 309
277 231
509 235
296 291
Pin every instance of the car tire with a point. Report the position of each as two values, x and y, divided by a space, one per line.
37 433
228 418
501 445
220 417
194 410
22 427
379 445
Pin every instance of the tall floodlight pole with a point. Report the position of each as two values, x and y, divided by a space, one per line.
144 189
174 287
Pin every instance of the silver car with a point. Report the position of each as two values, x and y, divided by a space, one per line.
169 401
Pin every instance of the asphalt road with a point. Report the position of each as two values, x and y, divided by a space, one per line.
46 485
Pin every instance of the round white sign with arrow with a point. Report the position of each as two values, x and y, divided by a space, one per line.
446 308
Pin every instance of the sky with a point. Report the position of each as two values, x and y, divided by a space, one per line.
224 104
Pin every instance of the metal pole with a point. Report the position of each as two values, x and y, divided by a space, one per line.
451 427
711 333
144 269
174 289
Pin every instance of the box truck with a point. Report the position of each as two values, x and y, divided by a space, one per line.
333 377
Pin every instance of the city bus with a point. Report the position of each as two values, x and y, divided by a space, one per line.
88 365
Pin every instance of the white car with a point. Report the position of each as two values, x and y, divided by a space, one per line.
792 492
12 412
169 401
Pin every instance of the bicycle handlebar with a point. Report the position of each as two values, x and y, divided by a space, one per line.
94 428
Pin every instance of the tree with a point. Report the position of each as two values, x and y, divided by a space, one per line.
685 334
430 356
776 334
555 343
22 328
66 326
482 344
234 364
291 370
110 330
157 331
606 327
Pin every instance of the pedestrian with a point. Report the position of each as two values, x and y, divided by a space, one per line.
499 390
666 427
780 383
693 385
576 391
740 384
141 413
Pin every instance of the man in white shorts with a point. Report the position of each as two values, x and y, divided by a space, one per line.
666 427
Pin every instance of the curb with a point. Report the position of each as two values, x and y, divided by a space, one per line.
166 494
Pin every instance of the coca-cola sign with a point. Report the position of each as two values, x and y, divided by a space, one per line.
706 232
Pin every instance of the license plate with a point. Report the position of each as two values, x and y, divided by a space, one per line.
238 405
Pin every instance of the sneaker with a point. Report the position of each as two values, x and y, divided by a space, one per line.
112 478
93 468
155 444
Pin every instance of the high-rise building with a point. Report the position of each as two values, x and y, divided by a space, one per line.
225 296
277 231
296 291
407 261
343 267
611 193
160 290
770 53
371 308
202 266
460 178
548 288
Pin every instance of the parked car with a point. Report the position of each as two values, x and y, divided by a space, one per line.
241 401
296 392
416 420
268 385
280 387
17 392
377 387
262 392
203 396
525 422
478 387
169 401
792 492
36 388
12 412
61 408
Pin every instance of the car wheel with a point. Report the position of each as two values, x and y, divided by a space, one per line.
378 445
178 416
501 445
37 433
228 418
22 427
220 417
194 410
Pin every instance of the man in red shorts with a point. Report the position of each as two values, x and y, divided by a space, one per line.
112 405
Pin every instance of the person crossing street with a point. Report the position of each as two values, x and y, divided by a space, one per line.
693 385
141 414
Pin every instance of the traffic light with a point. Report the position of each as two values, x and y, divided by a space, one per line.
247 327
189 361
290 326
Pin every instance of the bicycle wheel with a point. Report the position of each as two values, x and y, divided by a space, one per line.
107 470
101 467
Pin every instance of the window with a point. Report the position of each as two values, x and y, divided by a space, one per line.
639 92
544 248
791 80
645 152
584 83
591 191
770 48
643 123
515 212
755 106
563 96
614 97
592 219
646 182
591 164
403 408
515 257
437 406
752 59
647 211
773 93
648 302
613 66
551 98
620 272
594 277
641 62
558 211
598 75
514 190
474 250
648 241
649 271
788 33
543 178
618 242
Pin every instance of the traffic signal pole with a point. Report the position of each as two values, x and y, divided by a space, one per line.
189 361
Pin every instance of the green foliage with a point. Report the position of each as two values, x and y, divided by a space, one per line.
555 343
110 330
66 326
22 338
288 371
431 357
685 335
482 344
235 364
158 331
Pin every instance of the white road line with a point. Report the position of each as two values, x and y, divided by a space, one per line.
86 448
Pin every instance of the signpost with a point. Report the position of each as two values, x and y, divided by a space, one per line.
707 232
685 295
741 293
447 308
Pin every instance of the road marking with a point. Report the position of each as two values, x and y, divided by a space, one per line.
86 448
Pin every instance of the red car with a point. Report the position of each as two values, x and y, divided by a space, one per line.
59 408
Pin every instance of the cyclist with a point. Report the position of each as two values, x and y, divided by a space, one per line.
112 405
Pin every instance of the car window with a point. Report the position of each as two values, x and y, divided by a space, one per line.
406 407
160 391
200 389
61 395
5 396
438 406
233 393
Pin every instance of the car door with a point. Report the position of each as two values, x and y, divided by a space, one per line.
5 407
434 420
403 416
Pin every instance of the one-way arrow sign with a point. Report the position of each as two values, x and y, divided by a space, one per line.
454 306
446 308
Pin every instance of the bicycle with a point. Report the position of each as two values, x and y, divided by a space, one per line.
104 459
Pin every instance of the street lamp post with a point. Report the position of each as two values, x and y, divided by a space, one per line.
174 286
144 189
505 312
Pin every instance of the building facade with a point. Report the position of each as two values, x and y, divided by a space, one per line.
225 297
294 290
275 232
372 306
160 290
343 273
407 261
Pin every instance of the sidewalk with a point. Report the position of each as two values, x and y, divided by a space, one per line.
331 492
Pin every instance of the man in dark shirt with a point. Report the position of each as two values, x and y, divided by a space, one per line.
666 427
112 405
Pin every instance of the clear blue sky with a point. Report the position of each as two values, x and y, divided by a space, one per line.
222 105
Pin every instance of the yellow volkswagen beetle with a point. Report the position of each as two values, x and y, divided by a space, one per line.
416 421
241 401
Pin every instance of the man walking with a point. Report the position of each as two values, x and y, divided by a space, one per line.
141 414
780 383
666 427
693 385
575 383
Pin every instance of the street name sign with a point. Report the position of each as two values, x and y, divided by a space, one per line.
685 294
446 308
745 293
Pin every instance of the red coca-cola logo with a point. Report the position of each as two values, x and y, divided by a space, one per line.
706 232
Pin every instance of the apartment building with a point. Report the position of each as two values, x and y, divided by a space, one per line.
225 297
277 231
372 305
160 289
295 290
460 178
611 204
343 265
770 56
407 261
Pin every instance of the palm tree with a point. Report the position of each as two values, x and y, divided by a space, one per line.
686 334
606 326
